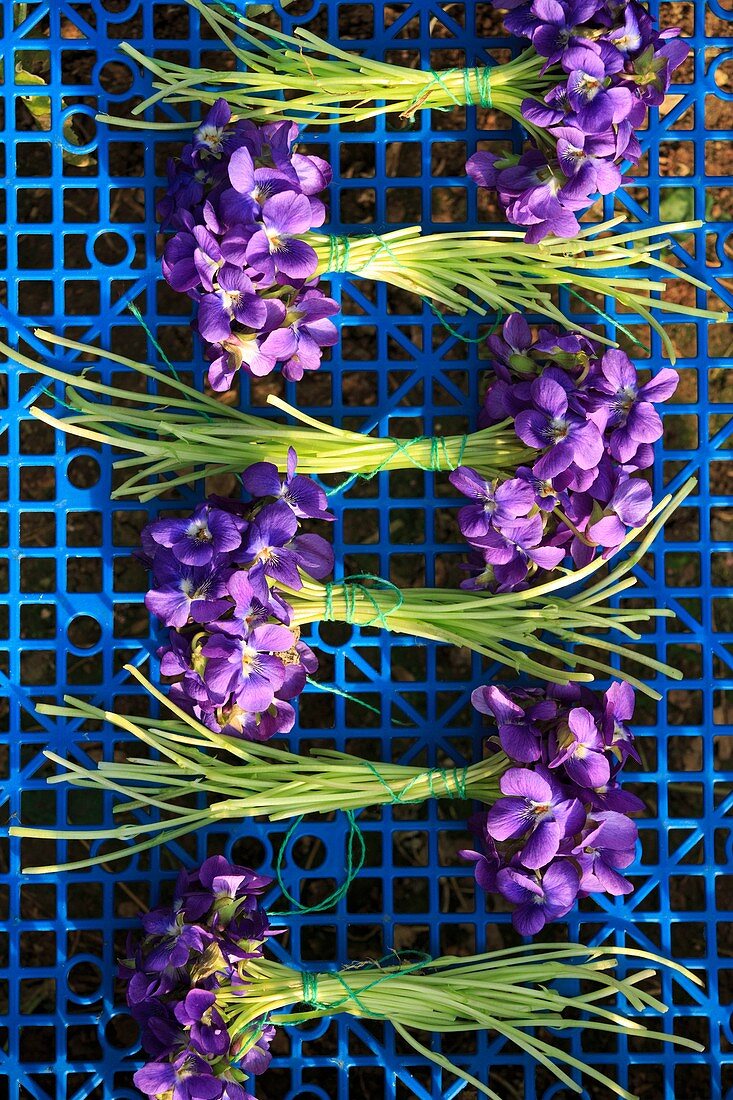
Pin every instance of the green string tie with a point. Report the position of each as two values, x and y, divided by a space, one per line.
454 781
482 76
613 321
59 400
132 308
352 589
355 858
440 79
227 8
458 335
438 460
338 254
383 247
310 981
333 690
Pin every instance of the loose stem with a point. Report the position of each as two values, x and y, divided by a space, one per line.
240 779
509 626
177 439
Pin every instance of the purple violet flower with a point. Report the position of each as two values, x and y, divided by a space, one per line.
235 664
185 1025
246 668
215 138
200 538
618 710
233 299
551 428
556 23
596 105
629 407
208 1033
517 719
581 750
189 1077
184 593
628 507
306 499
552 835
498 503
535 810
515 548
274 247
305 330
609 64
607 846
243 200
268 545
539 898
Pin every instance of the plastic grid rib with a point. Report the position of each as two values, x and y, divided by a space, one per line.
81 244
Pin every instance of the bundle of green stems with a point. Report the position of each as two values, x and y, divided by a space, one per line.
240 779
508 627
172 440
325 85
480 270
509 992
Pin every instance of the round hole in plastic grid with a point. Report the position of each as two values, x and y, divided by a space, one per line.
84 471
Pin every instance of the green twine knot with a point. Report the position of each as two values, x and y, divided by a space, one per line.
479 77
355 858
397 970
438 460
482 77
383 246
454 781
352 589
328 603
338 254
310 989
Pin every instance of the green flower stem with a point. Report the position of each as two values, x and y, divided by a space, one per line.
177 439
327 86
508 627
508 992
240 779
499 270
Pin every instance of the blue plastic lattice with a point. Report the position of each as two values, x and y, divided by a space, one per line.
81 244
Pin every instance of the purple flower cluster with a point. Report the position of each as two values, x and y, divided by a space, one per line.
175 976
240 199
611 65
236 661
561 828
591 423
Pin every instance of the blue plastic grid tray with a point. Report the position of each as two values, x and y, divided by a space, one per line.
81 242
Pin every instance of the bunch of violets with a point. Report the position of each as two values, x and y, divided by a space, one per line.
592 423
560 830
239 197
235 661
188 952
612 65
208 1000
